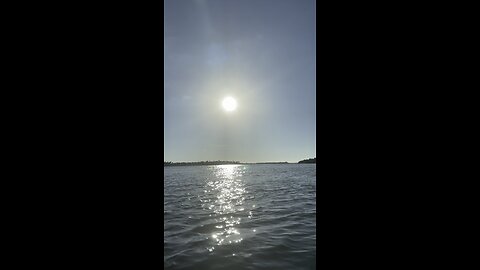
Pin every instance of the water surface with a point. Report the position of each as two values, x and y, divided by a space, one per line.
240 217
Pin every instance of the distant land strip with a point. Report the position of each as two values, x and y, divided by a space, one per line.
218 162
221 162
310 160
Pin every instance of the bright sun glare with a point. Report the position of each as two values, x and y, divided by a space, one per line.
229 104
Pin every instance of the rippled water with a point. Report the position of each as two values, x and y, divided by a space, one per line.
240 217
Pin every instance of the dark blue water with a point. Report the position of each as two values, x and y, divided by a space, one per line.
240 217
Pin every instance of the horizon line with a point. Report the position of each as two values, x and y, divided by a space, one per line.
237 161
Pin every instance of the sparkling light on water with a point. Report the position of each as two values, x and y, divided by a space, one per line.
228 190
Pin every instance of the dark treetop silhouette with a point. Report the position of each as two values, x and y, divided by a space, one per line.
311 160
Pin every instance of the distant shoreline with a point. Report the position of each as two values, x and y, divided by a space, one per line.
274 163
218 162
215 163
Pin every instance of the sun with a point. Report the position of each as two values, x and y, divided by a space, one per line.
229 104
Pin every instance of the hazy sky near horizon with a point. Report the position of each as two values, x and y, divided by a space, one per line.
260 52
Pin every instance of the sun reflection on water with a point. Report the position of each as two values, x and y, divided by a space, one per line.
227 205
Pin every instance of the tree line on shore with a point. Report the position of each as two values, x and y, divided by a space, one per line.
310 160
218 162
222 162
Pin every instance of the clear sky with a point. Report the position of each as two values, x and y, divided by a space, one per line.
260 52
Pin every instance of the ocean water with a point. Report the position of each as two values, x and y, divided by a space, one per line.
240 217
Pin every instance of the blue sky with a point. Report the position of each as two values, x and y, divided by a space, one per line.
260 52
